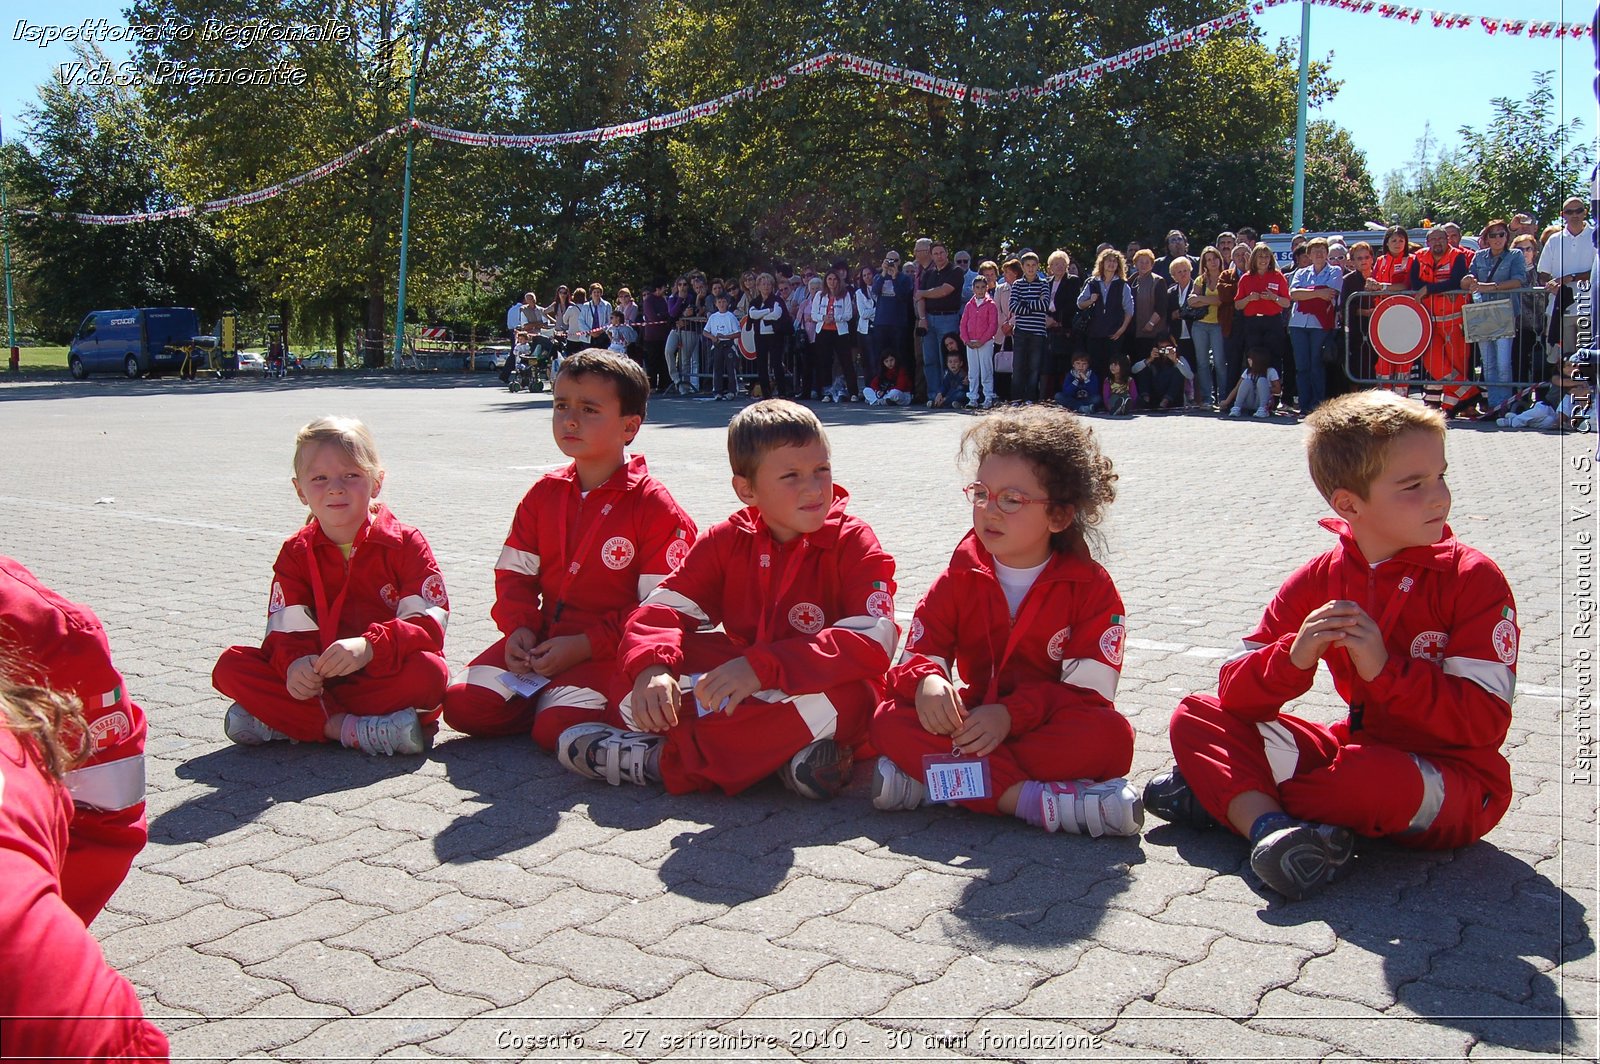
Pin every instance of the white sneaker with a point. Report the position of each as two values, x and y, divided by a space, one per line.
930 404
893 789
1083 807
827 398
1235 412
1261 413
245 729
602 752
399 732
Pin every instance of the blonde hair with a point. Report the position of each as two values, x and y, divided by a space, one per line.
1065 456
50 722
1058 256
766 426
1349 437
349 433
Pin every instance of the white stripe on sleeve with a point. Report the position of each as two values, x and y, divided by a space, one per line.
1091 675
518 561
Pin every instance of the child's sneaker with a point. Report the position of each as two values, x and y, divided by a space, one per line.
1261 413
245 729
399 732
820 770
893 789
1084 807
1169 797
602 752
1301 858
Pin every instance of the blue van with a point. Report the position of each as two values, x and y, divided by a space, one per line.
132 342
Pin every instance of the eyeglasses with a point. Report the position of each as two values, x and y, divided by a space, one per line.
1008 501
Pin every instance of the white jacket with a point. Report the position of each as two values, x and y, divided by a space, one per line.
843 311
866 310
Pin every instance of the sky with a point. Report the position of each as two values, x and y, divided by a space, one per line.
1385 114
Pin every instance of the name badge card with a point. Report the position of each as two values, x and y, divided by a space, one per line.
687 684
951 778
526 684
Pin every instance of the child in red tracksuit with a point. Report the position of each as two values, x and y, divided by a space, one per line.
60 645
355 623
805 597
1420 634
59 1000
586 544
1034 628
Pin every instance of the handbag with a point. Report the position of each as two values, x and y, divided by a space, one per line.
1491 320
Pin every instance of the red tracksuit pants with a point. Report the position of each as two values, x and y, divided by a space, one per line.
730 751
245 675
1322 774
479 703
1077 740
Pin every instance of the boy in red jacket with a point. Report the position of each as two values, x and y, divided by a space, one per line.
1420 634
586 544
62 646
805 597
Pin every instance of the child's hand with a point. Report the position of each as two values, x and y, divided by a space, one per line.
939 707
732 681
559 654
986 728
1323 628
519 645
1364 642
302 680
344 656
656 699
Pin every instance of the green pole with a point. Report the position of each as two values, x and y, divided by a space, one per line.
5 243
1300 122
405 206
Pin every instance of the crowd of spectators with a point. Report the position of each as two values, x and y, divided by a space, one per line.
1223 329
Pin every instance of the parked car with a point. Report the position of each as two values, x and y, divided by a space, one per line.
132 342
252 362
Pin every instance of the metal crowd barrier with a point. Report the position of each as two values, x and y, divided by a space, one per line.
1532 357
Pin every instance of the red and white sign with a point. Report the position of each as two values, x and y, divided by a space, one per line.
747 340
1401 329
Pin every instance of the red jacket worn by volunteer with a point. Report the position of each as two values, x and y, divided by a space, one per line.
390 591
1440 283
59 1000
815 619
1055 668
61 645
572 565
1418 758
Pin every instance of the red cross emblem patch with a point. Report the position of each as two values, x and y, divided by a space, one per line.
807 617
1505 641
1430 646
617 552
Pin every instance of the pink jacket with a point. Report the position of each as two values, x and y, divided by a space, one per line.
979 321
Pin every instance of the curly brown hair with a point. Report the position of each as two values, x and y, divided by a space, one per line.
1064 454
51 722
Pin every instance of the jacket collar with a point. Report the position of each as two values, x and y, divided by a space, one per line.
1438 555
750 521
628 476
972 555
381 527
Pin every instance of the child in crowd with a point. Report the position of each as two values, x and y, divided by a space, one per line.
1080 391
1034 627
1561 402
1119 394
1419 632
354 651
892 384
952 388
1257 385
980 323
587 542
623 335
722 328
58 645
1162 376
804 595
59 999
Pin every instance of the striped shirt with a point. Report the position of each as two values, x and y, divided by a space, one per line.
1030 301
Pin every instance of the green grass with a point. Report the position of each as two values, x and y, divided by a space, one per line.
39 359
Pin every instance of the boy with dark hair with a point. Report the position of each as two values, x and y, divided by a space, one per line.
1420 634
804 595
587 543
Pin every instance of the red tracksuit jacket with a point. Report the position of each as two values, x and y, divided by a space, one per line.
1069 630
61 645
1452 637
577 566
811 614
390 591
49 964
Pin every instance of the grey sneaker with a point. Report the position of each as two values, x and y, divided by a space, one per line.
602 752
893 789
239 725
1299 860
399 732
1084 807
820 770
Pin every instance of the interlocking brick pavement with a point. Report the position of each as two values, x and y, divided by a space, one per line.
307 903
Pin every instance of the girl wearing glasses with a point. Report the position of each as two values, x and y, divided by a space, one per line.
1014 653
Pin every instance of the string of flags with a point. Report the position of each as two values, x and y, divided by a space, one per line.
884 73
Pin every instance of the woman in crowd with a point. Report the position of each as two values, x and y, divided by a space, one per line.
1110 302
1210 354
1260 302
1497 271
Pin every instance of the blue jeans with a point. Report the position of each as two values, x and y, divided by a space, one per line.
1027 356
1211 363
1497 367
932 355
1310 377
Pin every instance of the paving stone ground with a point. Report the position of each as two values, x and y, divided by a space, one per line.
308 903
